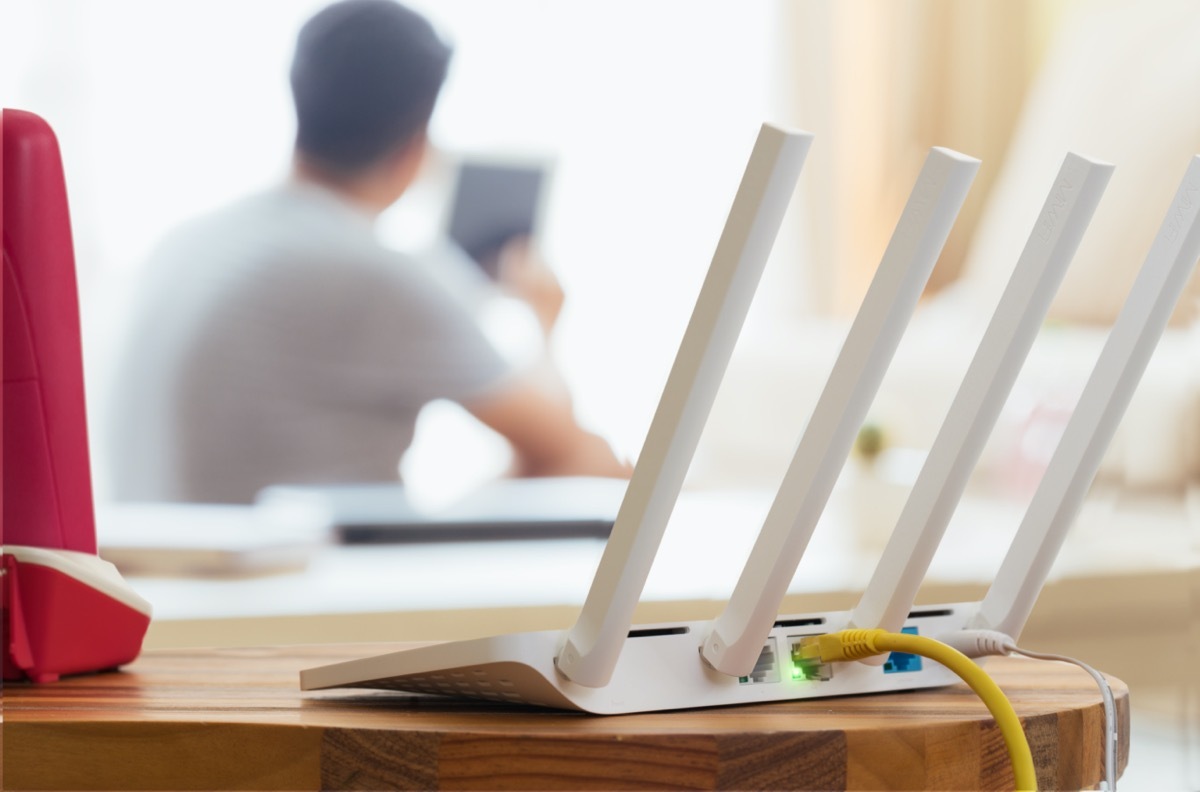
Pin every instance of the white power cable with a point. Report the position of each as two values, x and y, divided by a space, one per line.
981 643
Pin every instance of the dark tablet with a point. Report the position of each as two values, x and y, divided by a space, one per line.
493 203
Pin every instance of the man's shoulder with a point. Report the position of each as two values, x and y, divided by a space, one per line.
280 224
219 227
262 213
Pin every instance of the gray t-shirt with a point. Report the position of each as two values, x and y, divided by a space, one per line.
278 341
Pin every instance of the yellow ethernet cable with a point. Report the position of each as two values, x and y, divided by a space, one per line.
857 644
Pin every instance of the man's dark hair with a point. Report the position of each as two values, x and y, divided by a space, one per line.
365 78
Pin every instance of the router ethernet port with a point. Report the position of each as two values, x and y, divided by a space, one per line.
902 662
766 669
807 669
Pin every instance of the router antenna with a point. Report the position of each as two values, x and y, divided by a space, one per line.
592 646
1126 353
736 639
1009 336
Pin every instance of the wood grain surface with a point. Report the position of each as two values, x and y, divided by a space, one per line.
236 719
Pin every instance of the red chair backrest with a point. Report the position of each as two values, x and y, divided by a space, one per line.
47 485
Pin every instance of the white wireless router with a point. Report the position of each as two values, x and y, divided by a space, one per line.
601 665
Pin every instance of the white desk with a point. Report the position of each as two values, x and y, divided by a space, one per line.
1125 567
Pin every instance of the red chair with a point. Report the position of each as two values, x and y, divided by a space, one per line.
65 610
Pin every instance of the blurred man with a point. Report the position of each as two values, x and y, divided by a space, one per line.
278 341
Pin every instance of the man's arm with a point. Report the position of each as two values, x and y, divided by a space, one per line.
534 412
546 438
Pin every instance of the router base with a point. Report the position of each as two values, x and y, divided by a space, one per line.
659 669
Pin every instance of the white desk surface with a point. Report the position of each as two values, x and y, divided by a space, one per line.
701 556
1128 568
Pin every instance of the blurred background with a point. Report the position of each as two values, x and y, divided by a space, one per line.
167 109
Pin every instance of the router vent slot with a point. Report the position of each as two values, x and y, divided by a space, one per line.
650 632
929 614
808 622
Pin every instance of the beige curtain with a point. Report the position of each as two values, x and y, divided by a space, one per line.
879 82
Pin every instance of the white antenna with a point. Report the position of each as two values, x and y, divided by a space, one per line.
592 646
1126 353
737 635
1039 271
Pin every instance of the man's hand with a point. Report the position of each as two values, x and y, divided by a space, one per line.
522 273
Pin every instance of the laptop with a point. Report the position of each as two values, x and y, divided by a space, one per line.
749 652
506 509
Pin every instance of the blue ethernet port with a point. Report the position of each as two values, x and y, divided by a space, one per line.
902 662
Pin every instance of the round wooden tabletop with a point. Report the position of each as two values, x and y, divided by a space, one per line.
236 719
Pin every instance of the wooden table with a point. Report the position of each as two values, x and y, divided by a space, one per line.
235 719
